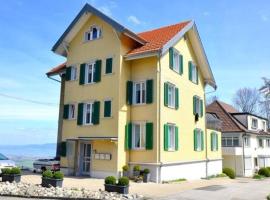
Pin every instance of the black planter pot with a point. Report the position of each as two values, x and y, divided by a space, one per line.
11 178
136 173
125 173
49 182
146 177
117 188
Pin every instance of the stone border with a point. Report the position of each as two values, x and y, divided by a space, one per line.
44 197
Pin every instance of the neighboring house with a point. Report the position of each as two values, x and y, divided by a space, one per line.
245 139
135 99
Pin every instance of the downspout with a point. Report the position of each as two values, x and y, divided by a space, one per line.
206 143
243 147
159 117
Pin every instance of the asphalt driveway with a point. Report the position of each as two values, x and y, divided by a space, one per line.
240 189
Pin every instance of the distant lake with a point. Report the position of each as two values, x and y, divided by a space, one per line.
24 155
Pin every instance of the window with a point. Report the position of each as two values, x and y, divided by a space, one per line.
109 62
197 106
198 140
73 75
92 34
176 61
171 95
214 141
88 111
90 71
71 111
107 108
138 135
171 137
260 142
139 96
267 142
230 141
246 141
264 125
254 123
193 72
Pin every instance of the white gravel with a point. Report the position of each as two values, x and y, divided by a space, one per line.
31 190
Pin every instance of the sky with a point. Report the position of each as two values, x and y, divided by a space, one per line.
235 35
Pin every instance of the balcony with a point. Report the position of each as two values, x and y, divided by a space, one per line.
232 150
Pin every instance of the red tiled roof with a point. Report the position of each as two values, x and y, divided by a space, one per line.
157 38
56 69
228 108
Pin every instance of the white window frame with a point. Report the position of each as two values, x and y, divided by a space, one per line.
232 139
199 139
246 141
89 34
142 100
71 111
85 111
171 137
214 143
171 94
142 134
176 61
89 66
194 72
73 75
264 125
198 105
262 140
252 125
267 142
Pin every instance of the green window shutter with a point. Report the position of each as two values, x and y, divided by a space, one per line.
166 94
80 114
66 111
82 74
216 141
97 75
166 137
176 139
129 92
63 151
128 136
190 70
212 141
194 104
149 91
68 74
171 57
195 140
201 106
149 136
95 113
197 75
181 64
202 136
176 98
107 108
109 62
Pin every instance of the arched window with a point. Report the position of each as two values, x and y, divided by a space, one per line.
93 33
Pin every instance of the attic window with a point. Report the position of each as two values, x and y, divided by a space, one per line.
93 34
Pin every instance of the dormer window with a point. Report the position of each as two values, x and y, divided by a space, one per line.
93 34
254 123
264 125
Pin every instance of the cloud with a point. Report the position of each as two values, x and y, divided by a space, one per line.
106 10
133 19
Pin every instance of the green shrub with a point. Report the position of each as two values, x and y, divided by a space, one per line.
146 171
15 170
137 168
58 175
111 180
257 176
264 172
47 174
268 168
6 171
125 168
221 175
229 172
123 181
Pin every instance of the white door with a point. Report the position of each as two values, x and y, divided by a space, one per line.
86 158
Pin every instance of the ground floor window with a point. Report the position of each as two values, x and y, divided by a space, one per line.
198 140
138 135
230 141
214 141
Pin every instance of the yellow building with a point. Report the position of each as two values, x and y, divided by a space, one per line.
134 99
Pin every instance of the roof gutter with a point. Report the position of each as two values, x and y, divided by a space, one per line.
142 55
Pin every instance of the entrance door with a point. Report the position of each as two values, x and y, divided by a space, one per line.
86 158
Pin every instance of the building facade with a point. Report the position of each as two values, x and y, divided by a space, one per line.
245 139
134 99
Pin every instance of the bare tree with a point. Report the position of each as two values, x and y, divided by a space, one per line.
247 100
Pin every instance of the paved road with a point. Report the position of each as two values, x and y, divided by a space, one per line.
241 189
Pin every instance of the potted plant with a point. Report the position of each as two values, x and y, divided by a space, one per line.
138 179
125 170
121 187
11 174
50 179
146 175
136 170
